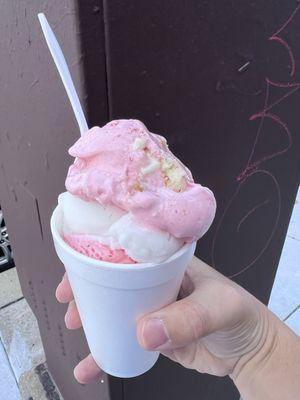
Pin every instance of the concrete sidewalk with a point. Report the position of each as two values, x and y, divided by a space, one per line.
23 369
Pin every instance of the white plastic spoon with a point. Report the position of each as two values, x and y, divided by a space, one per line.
64 72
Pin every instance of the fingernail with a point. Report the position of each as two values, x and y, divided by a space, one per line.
155 333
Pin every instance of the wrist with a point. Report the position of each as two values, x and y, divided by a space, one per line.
256 374
263 350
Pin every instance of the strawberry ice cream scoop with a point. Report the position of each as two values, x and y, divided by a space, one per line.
125 166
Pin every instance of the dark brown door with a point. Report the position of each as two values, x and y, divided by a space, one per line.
219 79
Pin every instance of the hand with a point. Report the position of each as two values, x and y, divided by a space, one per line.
221 329
214 324
209 329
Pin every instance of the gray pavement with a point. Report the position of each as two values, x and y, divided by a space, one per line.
23 368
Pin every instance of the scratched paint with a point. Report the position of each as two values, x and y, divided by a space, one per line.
254 167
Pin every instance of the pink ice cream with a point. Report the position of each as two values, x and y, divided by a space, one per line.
93 249
124 165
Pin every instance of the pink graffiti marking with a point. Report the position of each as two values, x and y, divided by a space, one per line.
289 50
251 212
279 39
252 167
293 86
273 230
286 130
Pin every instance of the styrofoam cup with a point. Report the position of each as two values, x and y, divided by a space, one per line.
112 297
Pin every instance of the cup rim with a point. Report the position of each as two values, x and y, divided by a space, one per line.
106 264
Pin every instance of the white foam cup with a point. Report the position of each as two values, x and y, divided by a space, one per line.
112 297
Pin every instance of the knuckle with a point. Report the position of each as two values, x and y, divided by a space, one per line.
234 297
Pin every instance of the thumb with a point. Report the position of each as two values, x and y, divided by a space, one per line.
212 306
